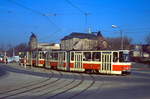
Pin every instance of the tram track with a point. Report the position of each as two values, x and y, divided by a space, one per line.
51 85
29 88
80 83
62 91
97 86
51 90
28 84
85 89
56 91
60 87
56 85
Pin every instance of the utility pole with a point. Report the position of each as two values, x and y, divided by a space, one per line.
122 40
121 34
13 52
86 21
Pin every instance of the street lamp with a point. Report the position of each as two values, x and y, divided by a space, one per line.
121 34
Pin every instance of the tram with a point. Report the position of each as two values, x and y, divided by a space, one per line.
22 58
104 62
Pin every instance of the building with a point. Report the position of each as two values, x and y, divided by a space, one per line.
84 41
141 53
33 42
48 46
140 50
35 45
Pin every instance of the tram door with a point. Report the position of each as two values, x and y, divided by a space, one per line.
61 60
106 62
78 61
37 58
47 58
29 58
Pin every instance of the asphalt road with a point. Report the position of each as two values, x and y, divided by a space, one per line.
17 82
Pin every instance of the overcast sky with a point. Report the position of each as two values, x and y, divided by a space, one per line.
51 20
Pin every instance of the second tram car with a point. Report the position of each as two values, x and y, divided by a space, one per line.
105 62
38 58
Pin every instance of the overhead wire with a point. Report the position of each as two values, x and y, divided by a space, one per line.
36 12
81 11
74 6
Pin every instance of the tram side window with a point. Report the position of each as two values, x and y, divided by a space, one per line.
115 56
43 55
49 55
87 56
40 57
72 56
96 56
55 56
34 55
120 56
64 56
61 55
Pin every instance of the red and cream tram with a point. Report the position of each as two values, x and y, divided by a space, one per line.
56 60
36 58
105 62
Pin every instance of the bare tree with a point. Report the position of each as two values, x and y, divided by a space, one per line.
22 47
115 43
127 42
2 47
147 39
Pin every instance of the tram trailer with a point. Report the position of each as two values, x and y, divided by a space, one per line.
104 62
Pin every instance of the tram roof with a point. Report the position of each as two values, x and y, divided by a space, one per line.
91 50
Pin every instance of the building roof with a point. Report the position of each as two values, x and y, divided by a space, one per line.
80 35
48 44
33 35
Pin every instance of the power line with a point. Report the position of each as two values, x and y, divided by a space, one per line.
32 10
74 6
35 11
86 14
41 14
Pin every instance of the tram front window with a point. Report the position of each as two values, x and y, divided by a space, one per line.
21 55
123 57
43 55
